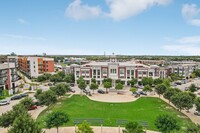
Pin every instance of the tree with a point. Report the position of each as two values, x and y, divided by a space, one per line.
118 87
60 89
133 127
68 78
56 78
82 85
160 89
182 100
107 85
197 103
38 92
47 97
7 119
166 82
192 88
158 81
25 124
94 86
118 81
147 88
27 102
61 74
170 92
133 90
107 80
41 78
147 81
56 119
132 82
80 79
192 128
84 128
166 123
93 80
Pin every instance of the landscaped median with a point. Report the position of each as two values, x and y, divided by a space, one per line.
145 109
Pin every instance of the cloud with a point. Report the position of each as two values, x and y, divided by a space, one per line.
22 21
190 40
183 49
122 9
118 9
191 13
186 45
13 36
76 10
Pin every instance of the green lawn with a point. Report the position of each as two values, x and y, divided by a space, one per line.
144 109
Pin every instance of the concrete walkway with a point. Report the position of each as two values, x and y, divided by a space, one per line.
95 129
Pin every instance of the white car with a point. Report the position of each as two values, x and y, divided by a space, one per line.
197 113
4 102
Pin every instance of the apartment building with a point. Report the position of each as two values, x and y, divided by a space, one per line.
8 77
35 66
184 70
117 70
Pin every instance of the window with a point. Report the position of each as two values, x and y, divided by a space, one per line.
121 71
98 72
150 73
144 73
94 72
113 71
104 71
140 73
128 71
132 72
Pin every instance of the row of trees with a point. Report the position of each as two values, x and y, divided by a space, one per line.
58 77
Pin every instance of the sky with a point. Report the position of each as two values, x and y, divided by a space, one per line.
92 27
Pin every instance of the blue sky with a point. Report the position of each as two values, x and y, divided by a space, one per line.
128 27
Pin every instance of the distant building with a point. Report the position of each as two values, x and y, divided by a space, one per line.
124 71
8 77
35 66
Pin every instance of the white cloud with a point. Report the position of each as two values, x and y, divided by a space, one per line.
22 21
191 13
78 11
13 36
190 40
122 9
183 49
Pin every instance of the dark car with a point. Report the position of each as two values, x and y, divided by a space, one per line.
142 93
16 97
32 107
24 95
101 91
72 84
178 83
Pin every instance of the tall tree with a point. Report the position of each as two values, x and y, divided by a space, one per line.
182 100
82 85
27 102
192 88
25 124
197 103
94 86
60 89
107 85
133 90
147 88
93 80
160 89
147 81
56 119
61 74
118 87
170 92
84 128
38 92
166 123
133 127
158 81
132 82
47 97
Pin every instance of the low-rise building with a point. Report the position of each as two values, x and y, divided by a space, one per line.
35 66
8 77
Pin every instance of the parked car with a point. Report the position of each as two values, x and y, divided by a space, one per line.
86 91
32 107
197 113
142 93
4 102
72 84
101 91
16 97
178 83
24 95
72 90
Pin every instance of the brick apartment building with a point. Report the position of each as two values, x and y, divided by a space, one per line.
35 66
8 77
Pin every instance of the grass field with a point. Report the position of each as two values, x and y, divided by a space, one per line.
144 109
